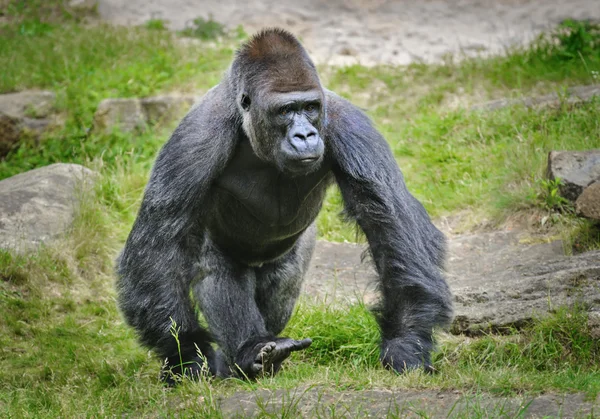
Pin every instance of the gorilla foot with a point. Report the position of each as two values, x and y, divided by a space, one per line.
403 354
265 357
174 371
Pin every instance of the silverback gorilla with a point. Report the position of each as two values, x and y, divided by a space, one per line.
227 222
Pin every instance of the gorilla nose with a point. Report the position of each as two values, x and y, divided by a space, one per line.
305 141
304 136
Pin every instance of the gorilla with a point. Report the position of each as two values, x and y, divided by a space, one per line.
227 222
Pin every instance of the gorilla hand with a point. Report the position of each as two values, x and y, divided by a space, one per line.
264 357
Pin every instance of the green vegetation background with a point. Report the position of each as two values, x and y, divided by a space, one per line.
64 350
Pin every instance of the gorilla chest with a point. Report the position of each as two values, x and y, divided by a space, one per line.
258 193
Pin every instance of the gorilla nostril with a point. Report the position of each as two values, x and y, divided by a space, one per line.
305 136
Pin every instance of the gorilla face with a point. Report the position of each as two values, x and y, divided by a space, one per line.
283 128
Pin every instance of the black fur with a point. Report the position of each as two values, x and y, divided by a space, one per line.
229 214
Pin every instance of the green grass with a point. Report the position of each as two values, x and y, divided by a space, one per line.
64 350
204 29
84 65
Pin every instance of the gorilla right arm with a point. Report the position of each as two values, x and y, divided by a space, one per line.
156 266
408 250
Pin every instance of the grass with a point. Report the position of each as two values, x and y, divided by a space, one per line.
204 29
64 350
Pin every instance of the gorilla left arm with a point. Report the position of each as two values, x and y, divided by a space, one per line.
407 248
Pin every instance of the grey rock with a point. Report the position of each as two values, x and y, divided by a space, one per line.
341 272
319 401
166 109
576 169
10 133
594 324
39 205
124 114
498 279
588 203
23 113
573 95
32 103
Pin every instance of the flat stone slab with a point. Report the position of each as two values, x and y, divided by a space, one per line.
321 402
341 272
498 279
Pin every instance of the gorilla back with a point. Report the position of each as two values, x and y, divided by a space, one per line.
229 210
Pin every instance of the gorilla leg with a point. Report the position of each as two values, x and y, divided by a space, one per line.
226 295
151 304
279 283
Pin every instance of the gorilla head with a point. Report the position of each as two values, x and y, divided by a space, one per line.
281 101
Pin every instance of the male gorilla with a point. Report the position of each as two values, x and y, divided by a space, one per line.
227 222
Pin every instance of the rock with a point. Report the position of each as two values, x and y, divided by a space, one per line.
165 109
31 103
10 132
132 114
576 169
573 95
497 280
39 205
23 113
124 114
320 401
338 272
588 203
594 324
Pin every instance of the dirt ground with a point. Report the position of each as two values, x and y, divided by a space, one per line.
371 32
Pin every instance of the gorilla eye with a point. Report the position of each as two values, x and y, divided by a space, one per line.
284 111
312 108
245 102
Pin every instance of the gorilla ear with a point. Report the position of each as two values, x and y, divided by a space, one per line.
245 102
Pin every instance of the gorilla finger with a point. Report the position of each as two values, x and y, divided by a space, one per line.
265 351
286 346
257 368
299 345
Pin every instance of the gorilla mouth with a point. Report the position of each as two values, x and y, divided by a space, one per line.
303 165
